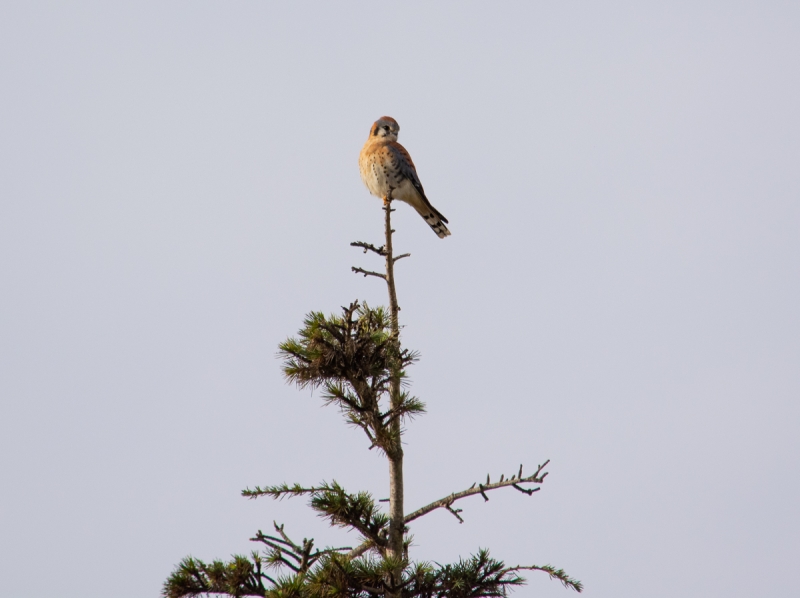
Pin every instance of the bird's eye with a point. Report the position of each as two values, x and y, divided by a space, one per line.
385 128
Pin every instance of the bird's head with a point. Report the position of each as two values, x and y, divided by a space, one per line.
385 128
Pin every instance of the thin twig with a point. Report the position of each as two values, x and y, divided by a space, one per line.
527 491
368 272
455 512
370 247
279 549
401 256
279 529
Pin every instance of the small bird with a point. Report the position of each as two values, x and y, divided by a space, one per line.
388 172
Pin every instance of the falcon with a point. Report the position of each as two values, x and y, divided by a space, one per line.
388 172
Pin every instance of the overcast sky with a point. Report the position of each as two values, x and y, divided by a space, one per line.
620 294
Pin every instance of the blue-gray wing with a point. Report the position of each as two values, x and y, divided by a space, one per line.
404 165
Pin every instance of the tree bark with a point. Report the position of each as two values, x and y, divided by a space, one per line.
396 513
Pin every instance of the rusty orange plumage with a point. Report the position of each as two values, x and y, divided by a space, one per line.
389 173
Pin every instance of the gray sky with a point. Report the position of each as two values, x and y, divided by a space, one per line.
179 186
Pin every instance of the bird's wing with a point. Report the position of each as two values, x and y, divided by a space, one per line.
400 159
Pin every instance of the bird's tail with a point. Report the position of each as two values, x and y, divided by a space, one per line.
434 219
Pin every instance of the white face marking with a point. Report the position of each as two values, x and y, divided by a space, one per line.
387 130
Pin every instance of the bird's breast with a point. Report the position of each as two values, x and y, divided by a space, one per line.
376 174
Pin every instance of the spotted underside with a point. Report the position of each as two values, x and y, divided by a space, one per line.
388 172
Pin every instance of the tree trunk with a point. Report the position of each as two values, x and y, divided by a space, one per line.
396 514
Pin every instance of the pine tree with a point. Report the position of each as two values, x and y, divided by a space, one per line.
357 359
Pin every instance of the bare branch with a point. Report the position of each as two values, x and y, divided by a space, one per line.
283 548
332 550
272 542
368 272
381 251
360 549
372 590
401 256
279 529
447 501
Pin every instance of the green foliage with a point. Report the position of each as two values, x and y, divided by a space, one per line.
354 357
356 348
357 511
239 577
479 575
336 575
558 574
332 502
